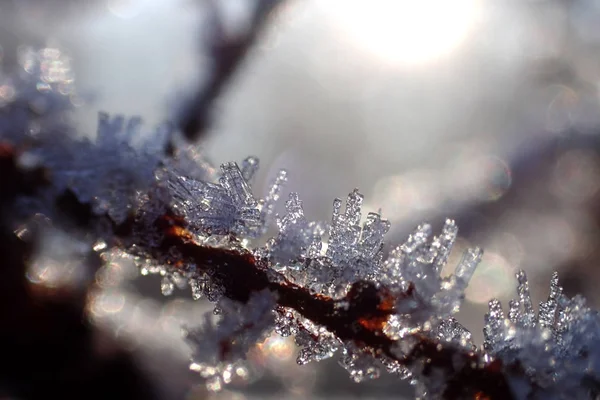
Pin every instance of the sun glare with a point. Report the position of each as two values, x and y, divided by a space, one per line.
404 31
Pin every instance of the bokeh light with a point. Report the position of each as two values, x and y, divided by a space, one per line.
576 176
493 278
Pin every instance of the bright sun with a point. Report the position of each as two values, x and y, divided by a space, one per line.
404 31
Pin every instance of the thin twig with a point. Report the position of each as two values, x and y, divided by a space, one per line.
226 53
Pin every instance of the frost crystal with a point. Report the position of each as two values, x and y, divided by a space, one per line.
359 364
110 170
217 347
356 251
285 324
317 345
297 239
353 252
418 262
557 349
225 207
107 172
451 331
225 213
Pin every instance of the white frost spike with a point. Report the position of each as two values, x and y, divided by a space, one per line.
345 231
465 269
373 233
558 352
417 239
353 207
296 235
227 207
353 252
197 289
206 206
285 323
109 172
418 262
203 286
547 314
395 368
295 214
442 244
317 349
514 312
527 318
267 205
236 186
493 330
450 330
241 326
393 268
337 205
360 365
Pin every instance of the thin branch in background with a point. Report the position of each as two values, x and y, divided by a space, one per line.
225 53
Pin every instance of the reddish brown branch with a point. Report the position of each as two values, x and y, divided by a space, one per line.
240 274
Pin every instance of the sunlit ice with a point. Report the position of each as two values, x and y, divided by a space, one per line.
404 31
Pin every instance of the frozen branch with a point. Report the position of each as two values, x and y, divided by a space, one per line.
328 284
358 317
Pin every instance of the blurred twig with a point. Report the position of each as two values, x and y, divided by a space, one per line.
226 53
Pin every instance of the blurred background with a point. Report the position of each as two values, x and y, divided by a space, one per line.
483 111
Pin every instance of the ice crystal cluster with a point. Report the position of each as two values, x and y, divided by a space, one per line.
322 259
328 259
332 285
35 115
557 348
